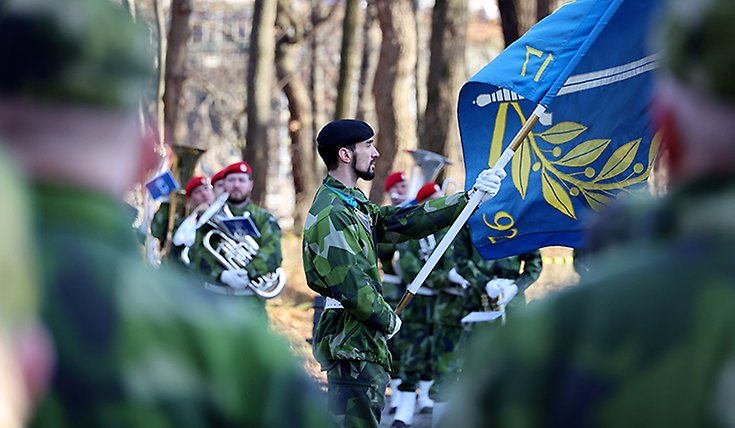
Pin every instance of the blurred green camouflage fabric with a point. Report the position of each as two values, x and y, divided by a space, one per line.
698 35
340 262
19 296
135 348
81 52
646 340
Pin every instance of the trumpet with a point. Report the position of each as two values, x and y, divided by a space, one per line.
236 252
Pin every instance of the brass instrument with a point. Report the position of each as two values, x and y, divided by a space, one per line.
236 252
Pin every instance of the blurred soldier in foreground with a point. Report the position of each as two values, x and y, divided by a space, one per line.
236 280
25 349
647 338
134 348
341 264
393 286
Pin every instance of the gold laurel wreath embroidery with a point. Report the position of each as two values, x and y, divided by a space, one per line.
559 187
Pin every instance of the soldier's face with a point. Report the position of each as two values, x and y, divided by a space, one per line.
398 192
363 161
238 185
201 195
219 188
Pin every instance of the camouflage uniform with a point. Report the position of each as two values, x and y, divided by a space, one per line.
393 289
267 260
159 230
419 317
454 303
340 262
644 340
136 348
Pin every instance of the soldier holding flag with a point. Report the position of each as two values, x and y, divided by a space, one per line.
646 339
340 237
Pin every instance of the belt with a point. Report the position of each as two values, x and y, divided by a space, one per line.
455 291
229 291
423 291
392 279
332 304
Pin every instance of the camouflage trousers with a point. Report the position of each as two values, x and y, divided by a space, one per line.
356 394
446 344
415 342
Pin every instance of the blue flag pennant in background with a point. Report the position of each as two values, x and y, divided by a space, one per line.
590 66
162 185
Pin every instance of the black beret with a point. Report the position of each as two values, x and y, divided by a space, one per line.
343 132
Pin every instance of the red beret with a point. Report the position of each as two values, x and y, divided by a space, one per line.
427 190
393 179
193 183
217 177
242 167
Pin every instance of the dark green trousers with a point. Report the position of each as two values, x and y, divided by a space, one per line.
356 393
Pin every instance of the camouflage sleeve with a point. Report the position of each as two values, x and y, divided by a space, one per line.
398 224
531 269
269 256
159 224
339 260
502 379
411 264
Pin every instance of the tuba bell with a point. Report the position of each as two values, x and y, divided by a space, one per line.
237 250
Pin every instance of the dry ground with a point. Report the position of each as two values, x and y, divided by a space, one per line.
291 313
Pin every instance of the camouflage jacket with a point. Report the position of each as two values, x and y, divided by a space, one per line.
392 290
468 263
644 340
136 349
159 229
413 256
340 262
269 256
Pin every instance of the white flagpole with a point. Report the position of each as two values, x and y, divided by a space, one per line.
473 203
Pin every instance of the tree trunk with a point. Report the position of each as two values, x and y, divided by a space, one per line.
348 59
299 107
175 76
509 20
420 69
161 59
261 56
371 40
446 75
543 8
392 89
316 83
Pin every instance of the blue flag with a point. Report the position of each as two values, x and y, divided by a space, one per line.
162 185
589 68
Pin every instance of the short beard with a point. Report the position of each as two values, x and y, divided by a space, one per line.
364 175
237 201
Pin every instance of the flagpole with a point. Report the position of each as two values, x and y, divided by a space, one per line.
472 204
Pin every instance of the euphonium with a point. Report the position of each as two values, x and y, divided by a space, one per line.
237 252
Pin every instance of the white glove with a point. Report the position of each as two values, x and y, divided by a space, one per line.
455 278
399 323
235 278
186 234
488 182
502 289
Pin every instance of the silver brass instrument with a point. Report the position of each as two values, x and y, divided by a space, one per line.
236 252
